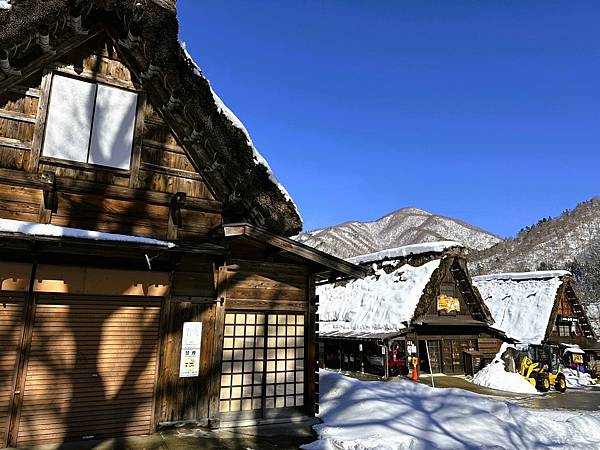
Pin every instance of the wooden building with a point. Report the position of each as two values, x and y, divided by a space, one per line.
416 300
537 307
145 276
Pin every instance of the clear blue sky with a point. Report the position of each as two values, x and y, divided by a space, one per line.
487 111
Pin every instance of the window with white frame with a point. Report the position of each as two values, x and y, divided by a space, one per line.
90 123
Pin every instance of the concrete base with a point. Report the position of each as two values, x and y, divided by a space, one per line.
281 436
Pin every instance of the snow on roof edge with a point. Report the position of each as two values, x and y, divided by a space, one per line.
38 229
236 122
516 276
405 250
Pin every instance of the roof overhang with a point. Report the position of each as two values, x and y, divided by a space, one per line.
361 334
331 265
79 246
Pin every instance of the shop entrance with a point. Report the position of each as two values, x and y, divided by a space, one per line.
433 364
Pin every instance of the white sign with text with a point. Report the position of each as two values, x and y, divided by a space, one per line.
191 339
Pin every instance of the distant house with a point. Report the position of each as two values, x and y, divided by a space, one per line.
416 300
146 278
537 307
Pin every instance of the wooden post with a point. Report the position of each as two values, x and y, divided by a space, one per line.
49 201
175 204
311 367
23 355
385 359
215 370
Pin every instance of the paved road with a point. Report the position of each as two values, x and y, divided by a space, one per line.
584 399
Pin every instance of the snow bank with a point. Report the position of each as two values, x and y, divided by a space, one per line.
521 308
406 250
359 415
495 376
576 379
38 229
236 122
377 303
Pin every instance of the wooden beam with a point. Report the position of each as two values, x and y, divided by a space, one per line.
33 180
18 116
63 47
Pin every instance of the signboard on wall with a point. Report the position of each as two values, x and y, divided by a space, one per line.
448 304
191 339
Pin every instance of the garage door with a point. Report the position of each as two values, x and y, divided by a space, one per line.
263 365
11 313
91 369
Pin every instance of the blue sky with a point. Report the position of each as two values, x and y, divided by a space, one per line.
487 111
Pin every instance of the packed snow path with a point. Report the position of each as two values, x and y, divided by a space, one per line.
360 415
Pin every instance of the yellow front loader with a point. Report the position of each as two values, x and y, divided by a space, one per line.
540 377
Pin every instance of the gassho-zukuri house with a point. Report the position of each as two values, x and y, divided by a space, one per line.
538 308
145 278
416 300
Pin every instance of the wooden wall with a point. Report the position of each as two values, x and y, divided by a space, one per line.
134 201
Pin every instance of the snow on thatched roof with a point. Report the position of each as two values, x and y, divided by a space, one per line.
378 303
406 250
521 303
242 180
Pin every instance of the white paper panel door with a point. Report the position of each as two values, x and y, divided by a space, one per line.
114 120
69 119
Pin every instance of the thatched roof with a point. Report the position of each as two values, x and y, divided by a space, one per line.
216 141
397 291
525 305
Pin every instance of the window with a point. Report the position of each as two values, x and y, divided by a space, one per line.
263 362
90 123
564 330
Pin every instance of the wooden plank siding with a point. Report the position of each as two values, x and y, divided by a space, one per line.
85 195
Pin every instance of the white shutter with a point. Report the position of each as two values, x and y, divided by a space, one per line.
69 119
114 121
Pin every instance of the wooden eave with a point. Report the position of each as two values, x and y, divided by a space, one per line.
82 246
331 264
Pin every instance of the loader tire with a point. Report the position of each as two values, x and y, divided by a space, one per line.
561 383
542 382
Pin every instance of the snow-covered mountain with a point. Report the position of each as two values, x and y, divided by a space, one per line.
402 227
549 244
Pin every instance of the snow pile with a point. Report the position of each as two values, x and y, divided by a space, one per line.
406 250
495 376
38 229
5 4
403 415
377 303
236 122
576 379
521 308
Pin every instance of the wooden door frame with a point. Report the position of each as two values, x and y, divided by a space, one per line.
16 400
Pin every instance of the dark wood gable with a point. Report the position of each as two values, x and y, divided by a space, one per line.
569 321
138 201
452 281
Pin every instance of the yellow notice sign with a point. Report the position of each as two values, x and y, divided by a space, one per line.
448 304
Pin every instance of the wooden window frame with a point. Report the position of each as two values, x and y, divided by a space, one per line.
265 412
95 78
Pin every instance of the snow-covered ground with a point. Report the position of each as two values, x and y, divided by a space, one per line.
377 415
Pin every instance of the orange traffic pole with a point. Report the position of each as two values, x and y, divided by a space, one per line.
415 375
